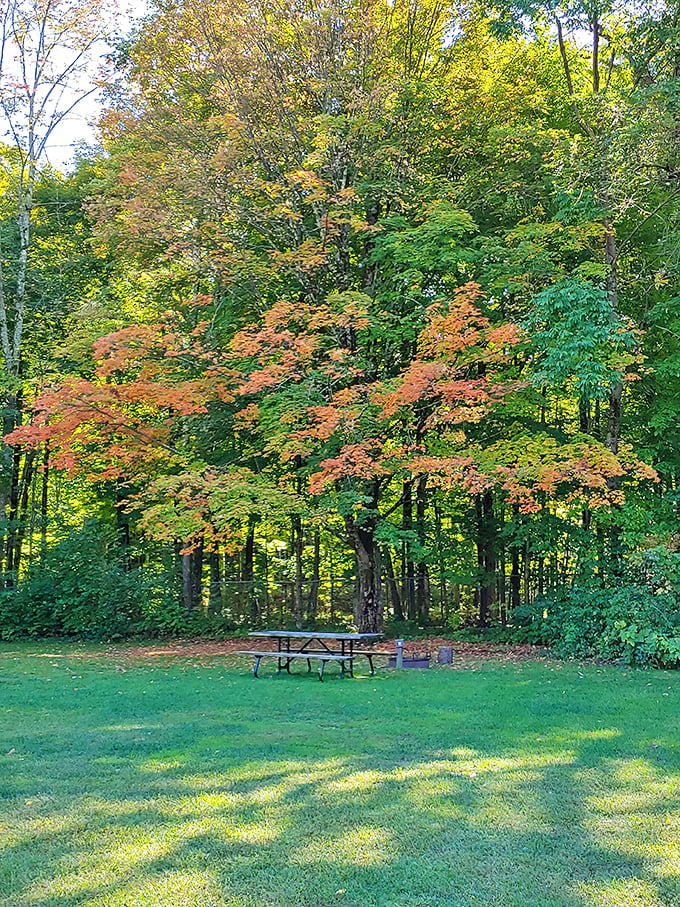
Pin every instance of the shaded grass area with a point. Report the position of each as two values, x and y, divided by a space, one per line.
186 783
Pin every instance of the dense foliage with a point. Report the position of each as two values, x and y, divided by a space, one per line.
365 311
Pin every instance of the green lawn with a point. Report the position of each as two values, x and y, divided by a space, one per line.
187 783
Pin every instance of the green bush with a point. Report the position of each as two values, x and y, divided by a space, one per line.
80 589
631 623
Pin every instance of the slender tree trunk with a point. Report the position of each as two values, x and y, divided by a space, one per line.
44 501
192 577
515 569
248 571
615 413
486 556
123 528
397 609
187 602
214 591
527 574
331 583
13 518
19 533
595 25
408 585
615 396
439 532
24 224
500 572
423 588
11 335
313 600
297 545
197 577
515 578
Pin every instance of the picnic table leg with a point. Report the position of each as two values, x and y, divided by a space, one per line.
370 662
351 653
323 664
257 666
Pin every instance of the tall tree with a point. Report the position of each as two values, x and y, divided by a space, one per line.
47 55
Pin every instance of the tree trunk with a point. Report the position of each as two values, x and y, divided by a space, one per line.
614 416
368 605
19 532
297 545
616 393
439 530
192 576
11 335
486 556
215 588
197 577
408 568
397 609
248 572
13 518
187 602
527 574
313 599
44 501
123 528
9 461
515 569
423 586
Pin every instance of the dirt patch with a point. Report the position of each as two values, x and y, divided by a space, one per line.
199 648
464 653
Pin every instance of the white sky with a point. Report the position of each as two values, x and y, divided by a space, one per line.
79 126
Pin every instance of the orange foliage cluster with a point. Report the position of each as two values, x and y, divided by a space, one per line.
381 429
120 423
358 429
357 461
580 471
371 425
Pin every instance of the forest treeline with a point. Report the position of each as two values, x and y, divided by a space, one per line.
364 311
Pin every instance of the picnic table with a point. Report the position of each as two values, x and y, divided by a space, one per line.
313 645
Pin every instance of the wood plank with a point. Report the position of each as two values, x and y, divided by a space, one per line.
326 656
310 634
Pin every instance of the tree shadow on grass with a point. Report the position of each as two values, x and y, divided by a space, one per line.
457 810
509 835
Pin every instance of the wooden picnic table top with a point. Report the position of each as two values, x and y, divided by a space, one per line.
311 634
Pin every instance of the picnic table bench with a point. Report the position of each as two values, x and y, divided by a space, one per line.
285 658
320 646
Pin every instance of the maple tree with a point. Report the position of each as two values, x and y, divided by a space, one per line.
320 411
377 279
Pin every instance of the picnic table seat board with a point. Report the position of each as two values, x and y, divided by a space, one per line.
323 646
285 658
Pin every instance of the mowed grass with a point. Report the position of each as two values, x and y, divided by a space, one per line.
186 783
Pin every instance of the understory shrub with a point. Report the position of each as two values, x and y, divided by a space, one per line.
82 589
79 589
631 623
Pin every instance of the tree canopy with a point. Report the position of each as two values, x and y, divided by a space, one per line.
370 314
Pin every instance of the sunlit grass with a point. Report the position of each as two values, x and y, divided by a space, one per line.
180 783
